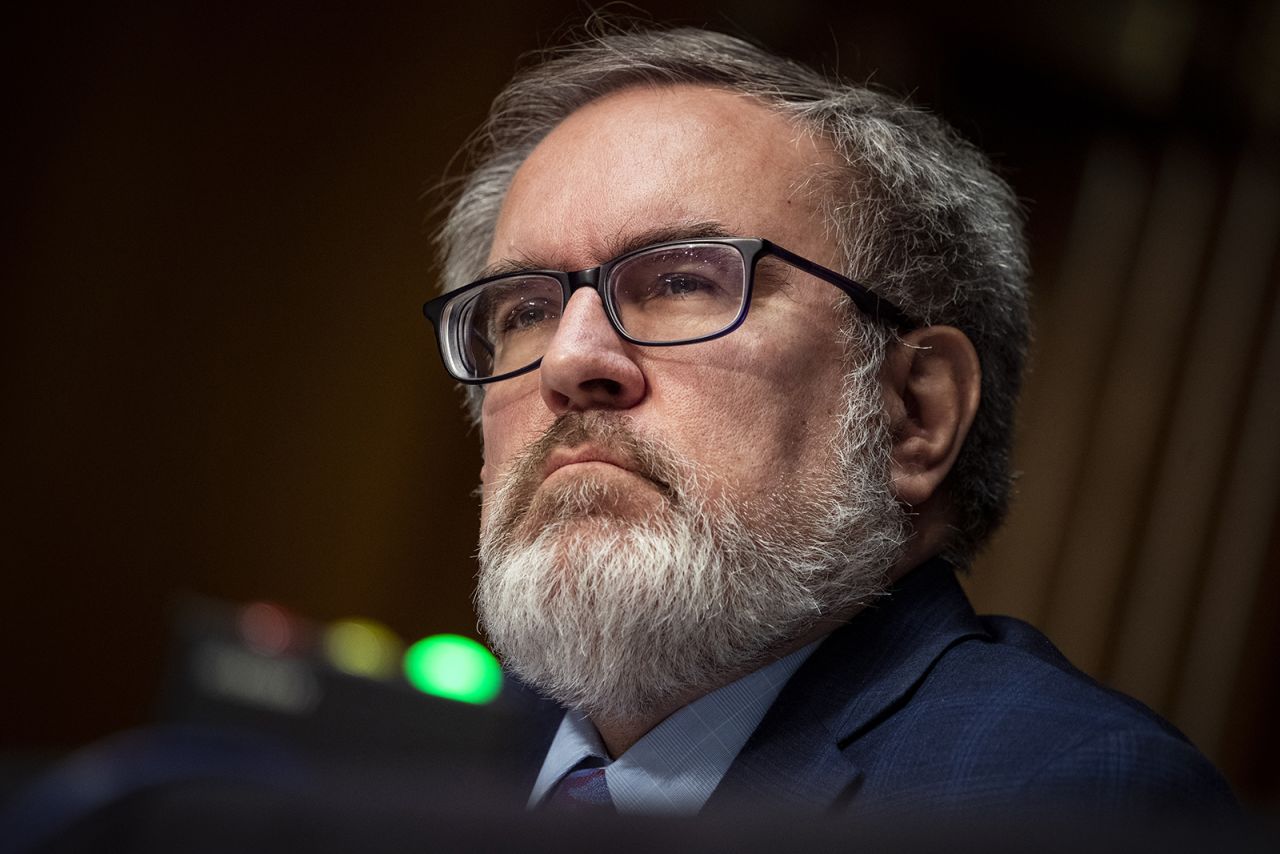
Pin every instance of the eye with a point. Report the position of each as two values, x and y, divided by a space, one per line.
527 314
687 278
681 285
675 285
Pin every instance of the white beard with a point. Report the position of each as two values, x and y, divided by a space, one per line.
619 617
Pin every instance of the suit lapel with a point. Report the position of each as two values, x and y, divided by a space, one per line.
861 674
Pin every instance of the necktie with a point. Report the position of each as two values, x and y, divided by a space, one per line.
582 789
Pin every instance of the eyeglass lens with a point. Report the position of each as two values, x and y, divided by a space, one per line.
667 294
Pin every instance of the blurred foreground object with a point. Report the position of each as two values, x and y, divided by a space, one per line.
260 701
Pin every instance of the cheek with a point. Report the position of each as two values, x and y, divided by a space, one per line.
794 407
512 416
750 426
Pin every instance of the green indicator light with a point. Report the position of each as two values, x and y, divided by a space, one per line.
455 667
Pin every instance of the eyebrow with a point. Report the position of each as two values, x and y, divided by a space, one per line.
619 245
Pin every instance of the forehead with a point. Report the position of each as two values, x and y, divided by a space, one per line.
646 159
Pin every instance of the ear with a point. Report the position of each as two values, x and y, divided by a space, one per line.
931 381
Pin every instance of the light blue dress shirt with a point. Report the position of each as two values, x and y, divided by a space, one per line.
675 766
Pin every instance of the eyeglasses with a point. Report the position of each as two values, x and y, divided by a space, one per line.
672 293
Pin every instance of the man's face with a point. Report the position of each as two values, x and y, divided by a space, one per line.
756 409
659 519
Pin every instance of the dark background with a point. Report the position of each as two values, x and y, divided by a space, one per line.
216 378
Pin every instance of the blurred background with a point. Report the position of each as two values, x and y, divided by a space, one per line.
217 380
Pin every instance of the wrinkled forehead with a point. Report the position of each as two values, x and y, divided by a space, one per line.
651 159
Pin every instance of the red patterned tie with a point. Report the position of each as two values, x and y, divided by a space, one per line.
581 790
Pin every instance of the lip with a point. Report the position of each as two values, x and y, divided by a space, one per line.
562 457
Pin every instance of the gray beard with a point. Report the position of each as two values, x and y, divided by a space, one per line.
621 617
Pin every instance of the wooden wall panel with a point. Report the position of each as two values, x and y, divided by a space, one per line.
1238 555
1116 451
1077 318
1150 459
1185 493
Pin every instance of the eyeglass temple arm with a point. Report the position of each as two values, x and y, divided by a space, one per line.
863 297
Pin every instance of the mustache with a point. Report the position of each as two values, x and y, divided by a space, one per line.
514 498
612 433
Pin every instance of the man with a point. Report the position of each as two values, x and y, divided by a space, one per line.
734 454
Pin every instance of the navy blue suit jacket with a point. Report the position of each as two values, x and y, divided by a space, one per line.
919 704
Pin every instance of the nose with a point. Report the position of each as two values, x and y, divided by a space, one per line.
587 364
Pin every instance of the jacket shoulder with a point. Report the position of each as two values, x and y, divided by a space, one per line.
1004 716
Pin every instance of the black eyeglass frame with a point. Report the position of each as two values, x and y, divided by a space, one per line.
752 249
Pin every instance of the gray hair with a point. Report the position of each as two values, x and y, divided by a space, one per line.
917 211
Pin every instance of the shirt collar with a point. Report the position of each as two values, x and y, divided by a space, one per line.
675 766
